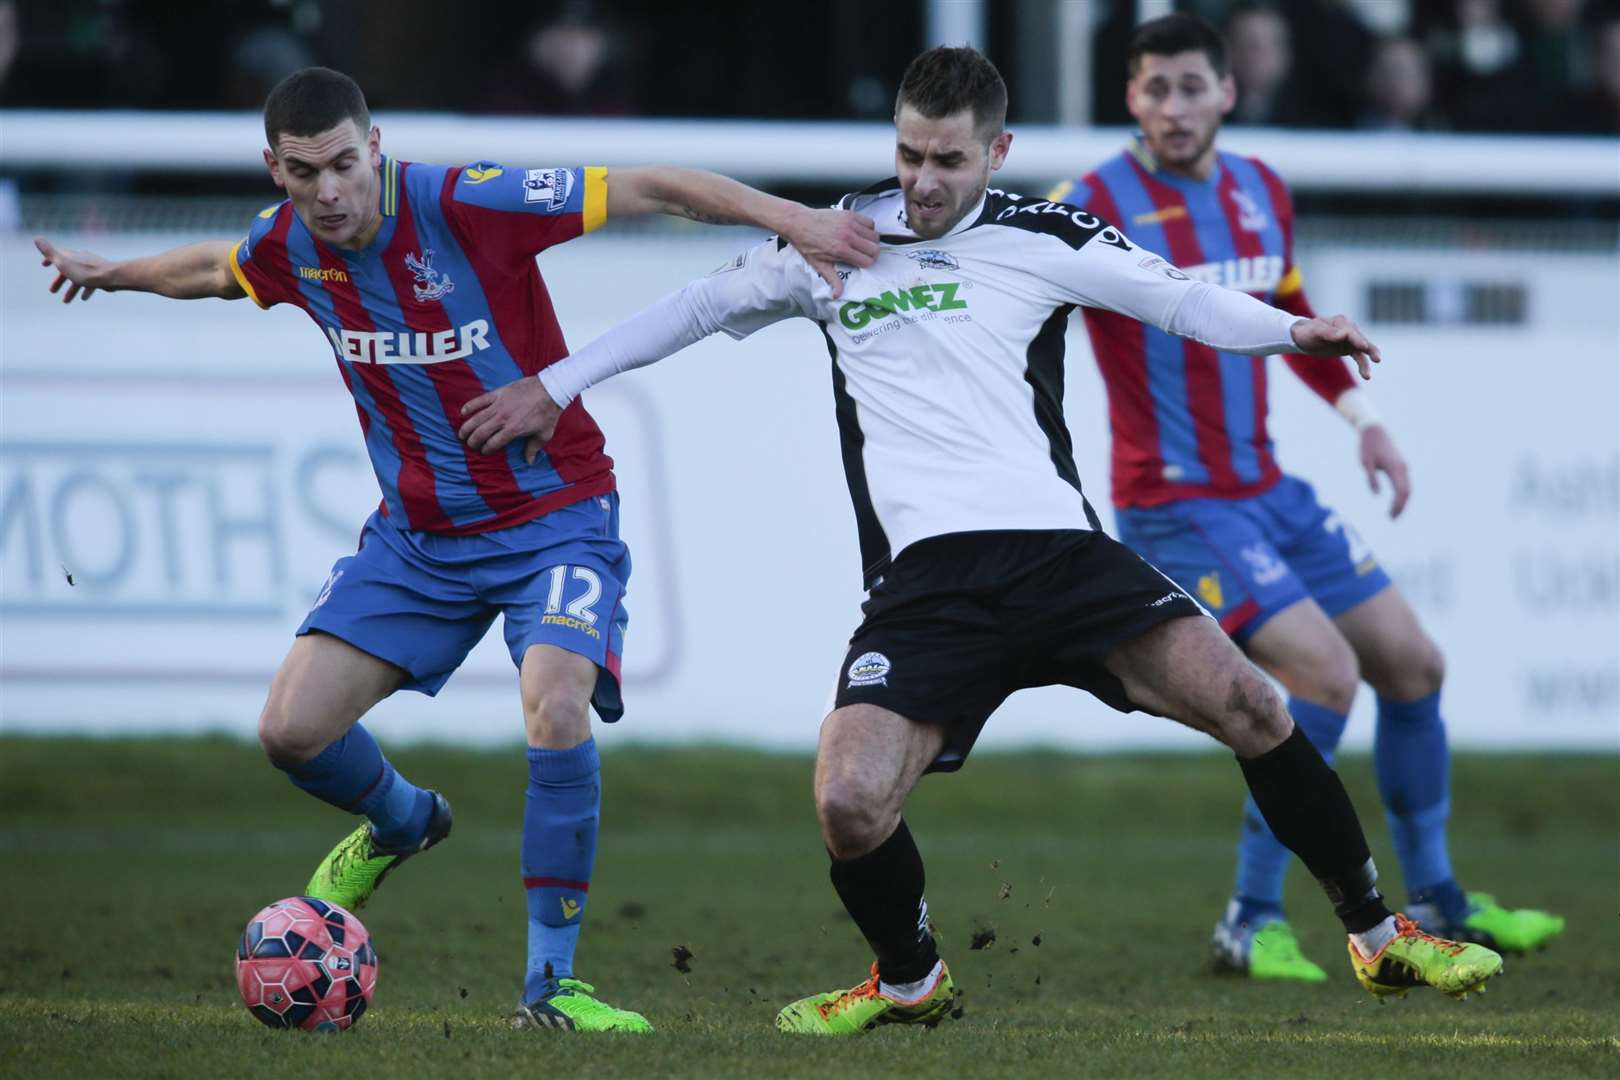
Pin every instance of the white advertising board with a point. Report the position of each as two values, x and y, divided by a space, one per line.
197 468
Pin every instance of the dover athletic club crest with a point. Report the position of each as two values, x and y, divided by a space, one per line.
430 284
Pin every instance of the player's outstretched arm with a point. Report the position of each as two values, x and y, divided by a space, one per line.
191 272
825 238
765 285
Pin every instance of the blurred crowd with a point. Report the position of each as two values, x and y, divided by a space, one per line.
1410 65
1423 65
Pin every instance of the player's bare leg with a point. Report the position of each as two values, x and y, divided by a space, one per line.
1302 649
320 690
560 821
1397 658
867 763
1188 669
1406 668
556 686
309 728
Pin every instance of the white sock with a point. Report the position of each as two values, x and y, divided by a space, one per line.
1369 942
911 991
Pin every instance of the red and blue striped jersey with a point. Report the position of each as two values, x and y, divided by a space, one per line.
444 304
1187 421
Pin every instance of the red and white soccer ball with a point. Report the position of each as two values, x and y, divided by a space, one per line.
305 963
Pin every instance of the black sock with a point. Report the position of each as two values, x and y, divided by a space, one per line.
1309 811
883 892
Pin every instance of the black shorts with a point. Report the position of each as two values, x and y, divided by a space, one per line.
961 621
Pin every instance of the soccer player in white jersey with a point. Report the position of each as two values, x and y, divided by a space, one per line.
986 568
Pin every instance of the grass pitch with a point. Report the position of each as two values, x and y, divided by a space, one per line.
127 869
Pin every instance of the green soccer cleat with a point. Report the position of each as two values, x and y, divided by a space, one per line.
1509 930
1267 951
351 872
864 1007
570 1007
1413 958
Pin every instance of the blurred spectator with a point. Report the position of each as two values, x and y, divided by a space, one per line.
1386 18
574 65
1333 49
1398 87
1597 110
1108 75
10 212
8 38
261 60
1555 57
1260 51
1475 49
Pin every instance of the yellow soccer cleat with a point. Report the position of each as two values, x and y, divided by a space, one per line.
862 1008
1413 958
352 871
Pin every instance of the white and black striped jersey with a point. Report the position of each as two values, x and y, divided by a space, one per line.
947 355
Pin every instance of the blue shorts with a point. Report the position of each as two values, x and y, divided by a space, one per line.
422 600
1247 559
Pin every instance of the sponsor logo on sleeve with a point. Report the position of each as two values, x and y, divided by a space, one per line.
1209 589
1159 266
549 187
480 173
869 669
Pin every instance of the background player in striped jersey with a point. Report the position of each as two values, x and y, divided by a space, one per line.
423 279
1200 495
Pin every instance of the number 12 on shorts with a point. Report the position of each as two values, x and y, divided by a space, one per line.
580 607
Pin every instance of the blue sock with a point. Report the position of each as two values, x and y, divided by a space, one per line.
1262 861
353 775
1414 778
560 819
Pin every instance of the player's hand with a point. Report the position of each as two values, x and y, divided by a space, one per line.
827 238
1378 455
1337 336
79 270
519 408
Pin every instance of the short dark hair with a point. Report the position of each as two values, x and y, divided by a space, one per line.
944 81
313 100
1178 33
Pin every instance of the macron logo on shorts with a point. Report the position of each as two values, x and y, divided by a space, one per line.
869 669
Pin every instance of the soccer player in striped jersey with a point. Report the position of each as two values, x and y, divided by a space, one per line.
986 568
1200 495
422 279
